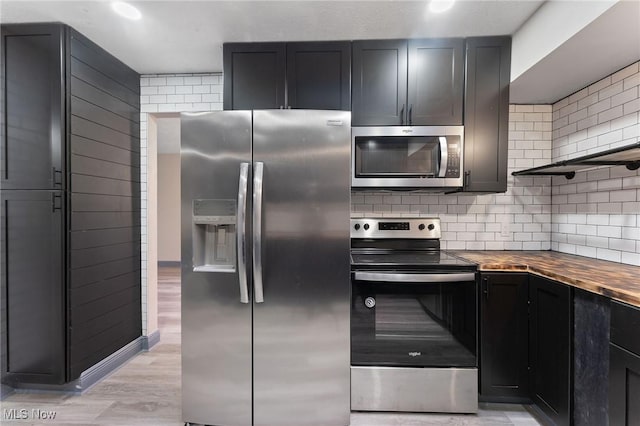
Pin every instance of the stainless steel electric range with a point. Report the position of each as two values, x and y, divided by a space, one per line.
413 319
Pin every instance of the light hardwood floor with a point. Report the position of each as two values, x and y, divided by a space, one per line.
146 391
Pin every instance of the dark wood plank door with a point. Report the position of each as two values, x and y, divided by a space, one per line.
550 348
486 113
379 93
504 337
319 75
435 82
33 133
254 75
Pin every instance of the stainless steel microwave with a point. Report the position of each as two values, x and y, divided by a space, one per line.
417 157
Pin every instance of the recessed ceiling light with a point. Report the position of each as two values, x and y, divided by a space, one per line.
126 10
439 6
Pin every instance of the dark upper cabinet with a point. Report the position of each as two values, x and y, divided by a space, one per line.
435 82
504 331
305 75
550 346
319 75
254 75
379 72
33 137
414 82
624 365
486 113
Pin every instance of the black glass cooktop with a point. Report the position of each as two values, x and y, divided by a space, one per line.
407 259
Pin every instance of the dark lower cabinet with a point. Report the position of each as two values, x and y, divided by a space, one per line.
624 366
486 113
33 282
550 348
504 332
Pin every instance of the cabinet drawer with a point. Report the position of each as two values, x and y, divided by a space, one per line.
625 323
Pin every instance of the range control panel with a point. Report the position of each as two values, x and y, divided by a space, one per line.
380 228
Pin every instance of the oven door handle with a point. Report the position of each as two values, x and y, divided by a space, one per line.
414 278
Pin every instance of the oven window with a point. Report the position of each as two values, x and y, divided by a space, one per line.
391 156
413 325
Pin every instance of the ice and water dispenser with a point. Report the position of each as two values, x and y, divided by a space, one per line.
214 235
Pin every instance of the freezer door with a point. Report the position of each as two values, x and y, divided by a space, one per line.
301 328
216 318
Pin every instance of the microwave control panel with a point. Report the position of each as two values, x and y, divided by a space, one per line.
453 160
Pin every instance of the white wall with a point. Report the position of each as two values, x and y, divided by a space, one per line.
168 207
166 93
597 214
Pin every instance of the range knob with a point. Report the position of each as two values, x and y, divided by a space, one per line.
366 226
421 227
431 227
357 226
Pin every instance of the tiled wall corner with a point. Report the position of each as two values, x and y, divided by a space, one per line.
519 219
165 93
597 214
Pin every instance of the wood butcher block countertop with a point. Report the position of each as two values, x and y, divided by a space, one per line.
615 280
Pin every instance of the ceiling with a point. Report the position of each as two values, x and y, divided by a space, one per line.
187 36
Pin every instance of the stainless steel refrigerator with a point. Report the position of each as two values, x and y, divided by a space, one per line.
265 267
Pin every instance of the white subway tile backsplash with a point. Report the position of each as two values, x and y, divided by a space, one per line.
606 200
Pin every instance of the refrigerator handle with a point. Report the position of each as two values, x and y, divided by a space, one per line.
241 234
257 231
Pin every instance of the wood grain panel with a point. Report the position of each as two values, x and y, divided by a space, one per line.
97 132
103 271
102 151
105 207
614 280
104 99
90 53
103 237
89 111
98 185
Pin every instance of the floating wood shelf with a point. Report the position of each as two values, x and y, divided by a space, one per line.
628 156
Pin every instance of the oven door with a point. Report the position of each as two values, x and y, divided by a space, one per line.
413 319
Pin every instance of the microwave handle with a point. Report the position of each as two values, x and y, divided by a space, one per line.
444 157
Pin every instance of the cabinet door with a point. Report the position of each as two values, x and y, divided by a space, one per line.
32 280
254 75
435 82
504 343
624 386
486 114
33 125
550 348
624 365
379 83
319 75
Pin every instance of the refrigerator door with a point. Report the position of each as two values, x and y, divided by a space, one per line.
216 318
301 328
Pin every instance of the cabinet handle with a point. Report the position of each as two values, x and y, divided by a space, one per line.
56 202
57 176
467 178
410 114
485 287
402 115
